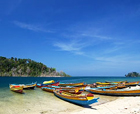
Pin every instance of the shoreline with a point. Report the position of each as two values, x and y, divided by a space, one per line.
122 105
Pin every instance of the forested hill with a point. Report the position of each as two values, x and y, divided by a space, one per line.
133 74
26 67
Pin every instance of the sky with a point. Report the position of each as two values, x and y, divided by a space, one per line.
79 37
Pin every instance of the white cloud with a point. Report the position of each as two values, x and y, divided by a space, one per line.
67 47
97 36
74 47
31 27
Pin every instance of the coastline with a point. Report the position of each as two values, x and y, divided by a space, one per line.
42 102
122 105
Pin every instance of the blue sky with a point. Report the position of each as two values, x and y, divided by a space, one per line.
79 37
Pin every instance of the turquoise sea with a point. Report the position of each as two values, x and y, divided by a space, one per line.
41 102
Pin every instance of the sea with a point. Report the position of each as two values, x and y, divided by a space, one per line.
41 102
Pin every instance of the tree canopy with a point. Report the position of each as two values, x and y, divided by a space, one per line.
133 74
26 67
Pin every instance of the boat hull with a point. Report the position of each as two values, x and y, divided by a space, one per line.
17 89
83 101
71 84
29 86
116 92
46 85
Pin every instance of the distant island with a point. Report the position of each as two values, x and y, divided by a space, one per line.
27 67
133 74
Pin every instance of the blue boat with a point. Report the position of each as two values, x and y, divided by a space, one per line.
83 100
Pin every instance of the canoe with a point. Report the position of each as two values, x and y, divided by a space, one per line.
84 87
132 83
82 100
115 82
48 89
120 86
17 89
45 85
29 86
105 87
73 91
47 82
26 86
118 92
105 83
72 84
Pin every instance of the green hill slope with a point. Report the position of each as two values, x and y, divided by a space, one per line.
26 67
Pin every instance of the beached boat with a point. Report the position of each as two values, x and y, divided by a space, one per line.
115 82
76 99
47 82
17 89
51 89
29 86
45 85
132 83
84 87
120 86
26 86
105 87
72 84
118 92
105 83
48 89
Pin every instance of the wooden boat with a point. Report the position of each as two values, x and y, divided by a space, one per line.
105 87
17 89
131 83
105 83
26 86
45 85
73 91
47 82
48 89
29 86
72 84
76 99
70 87
115 82
118 92
120 86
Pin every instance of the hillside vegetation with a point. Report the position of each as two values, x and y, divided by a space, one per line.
133 74
26 67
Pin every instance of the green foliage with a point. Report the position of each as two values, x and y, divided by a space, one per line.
133 74
25 67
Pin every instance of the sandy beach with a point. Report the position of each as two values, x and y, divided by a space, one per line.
122 105
42 102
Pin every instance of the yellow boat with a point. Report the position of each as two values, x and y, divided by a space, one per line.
107 83
47 82
17 89
118 92
103 83
72 84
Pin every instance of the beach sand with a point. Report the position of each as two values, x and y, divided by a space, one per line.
122 105
41 102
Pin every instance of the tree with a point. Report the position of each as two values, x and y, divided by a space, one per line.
133 74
